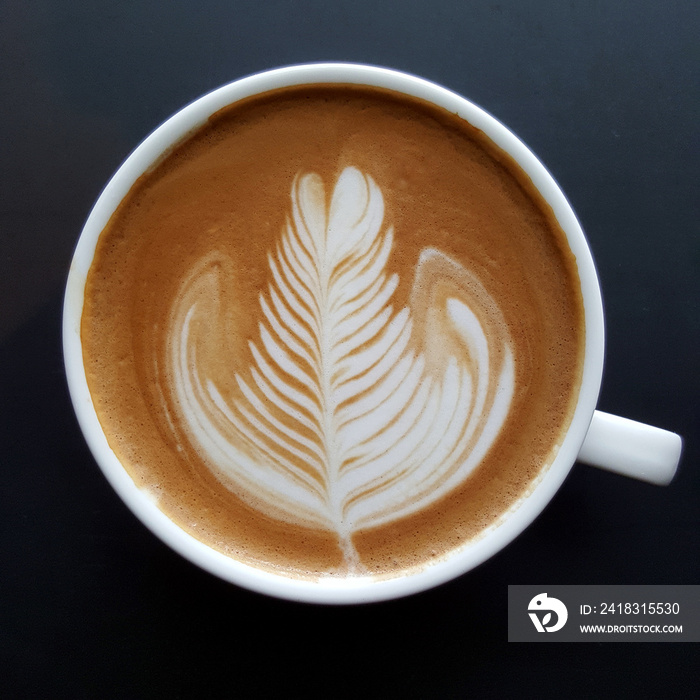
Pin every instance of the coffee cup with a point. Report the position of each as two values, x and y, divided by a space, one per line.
334 334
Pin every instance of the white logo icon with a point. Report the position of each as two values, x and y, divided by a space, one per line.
549 605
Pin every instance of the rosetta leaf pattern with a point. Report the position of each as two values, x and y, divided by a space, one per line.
341 420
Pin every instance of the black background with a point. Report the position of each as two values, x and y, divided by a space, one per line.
91 604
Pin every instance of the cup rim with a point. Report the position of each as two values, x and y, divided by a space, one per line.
331 590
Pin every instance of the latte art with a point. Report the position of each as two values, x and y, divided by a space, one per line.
335 331
350 414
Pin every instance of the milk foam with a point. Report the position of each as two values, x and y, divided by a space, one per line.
348 414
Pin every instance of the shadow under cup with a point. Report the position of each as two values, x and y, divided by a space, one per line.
331 589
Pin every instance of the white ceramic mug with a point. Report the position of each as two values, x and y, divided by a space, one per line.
594 437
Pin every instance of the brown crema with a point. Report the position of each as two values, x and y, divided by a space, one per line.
226 188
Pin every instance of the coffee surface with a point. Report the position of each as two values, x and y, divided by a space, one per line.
335 331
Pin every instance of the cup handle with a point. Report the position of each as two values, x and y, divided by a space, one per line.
634 449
